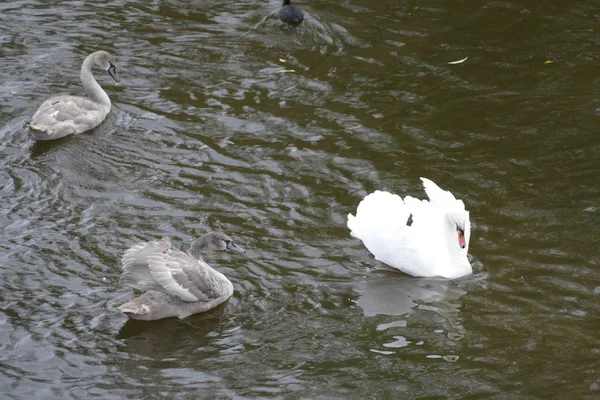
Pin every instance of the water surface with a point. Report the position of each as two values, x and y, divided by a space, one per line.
208 133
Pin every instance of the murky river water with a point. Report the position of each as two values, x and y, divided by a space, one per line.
207 133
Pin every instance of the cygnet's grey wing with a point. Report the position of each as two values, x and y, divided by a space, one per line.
67 113
136 273
181 275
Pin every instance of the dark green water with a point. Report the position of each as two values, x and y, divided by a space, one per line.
207 133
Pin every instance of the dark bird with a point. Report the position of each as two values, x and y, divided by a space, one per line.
290 14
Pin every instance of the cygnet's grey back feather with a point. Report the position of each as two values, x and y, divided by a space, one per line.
154 266
136 273
155 305
177 283
182 275
67 113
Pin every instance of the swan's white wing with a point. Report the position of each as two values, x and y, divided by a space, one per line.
180 274
378 212
136 273
427 221
381 223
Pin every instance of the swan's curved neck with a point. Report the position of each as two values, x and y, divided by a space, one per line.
91 87
458 256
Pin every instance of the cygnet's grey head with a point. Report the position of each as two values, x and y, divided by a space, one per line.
214 241
107 62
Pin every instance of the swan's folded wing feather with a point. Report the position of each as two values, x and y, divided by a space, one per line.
426 216
180 274
377 212
136 273
382 224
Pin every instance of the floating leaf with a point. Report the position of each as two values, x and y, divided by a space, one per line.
548 62
459 61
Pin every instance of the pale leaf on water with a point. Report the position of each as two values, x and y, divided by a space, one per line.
459 61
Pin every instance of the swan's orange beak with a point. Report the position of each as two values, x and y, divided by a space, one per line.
461 238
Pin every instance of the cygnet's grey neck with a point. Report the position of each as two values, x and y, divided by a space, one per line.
199 246
91 87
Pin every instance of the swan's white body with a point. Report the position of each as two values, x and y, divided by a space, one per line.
427 247
62 116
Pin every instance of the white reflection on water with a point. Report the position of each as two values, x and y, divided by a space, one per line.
398 295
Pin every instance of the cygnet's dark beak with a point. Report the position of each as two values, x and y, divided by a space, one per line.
234 247
112 71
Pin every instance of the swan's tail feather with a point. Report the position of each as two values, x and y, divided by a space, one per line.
437 195
381 224
353 226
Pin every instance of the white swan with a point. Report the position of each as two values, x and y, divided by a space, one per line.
434 244
62 116
177 284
